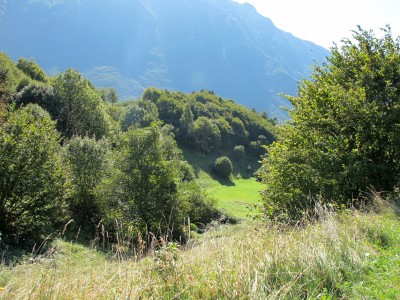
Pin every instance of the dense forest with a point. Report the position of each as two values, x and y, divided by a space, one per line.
70 151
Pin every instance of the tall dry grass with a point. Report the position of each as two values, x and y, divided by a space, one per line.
319 260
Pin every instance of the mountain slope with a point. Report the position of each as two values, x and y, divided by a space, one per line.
186 45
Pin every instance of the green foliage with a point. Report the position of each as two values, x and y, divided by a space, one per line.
108 95
135 116
42 95
87 162
202 209
240 133
143 190
32 69
205 134
258 147
226 131
81 111
236 124
169 109
10 78
238 152
152 94
186 124
223 167
32 178
138 180
150 108
344 134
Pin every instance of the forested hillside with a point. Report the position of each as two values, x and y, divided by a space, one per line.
69 151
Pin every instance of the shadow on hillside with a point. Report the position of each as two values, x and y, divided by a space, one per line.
199 161
223 181
244 168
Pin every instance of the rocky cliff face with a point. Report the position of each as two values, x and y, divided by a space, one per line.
184 45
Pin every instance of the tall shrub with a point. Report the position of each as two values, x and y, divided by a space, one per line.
344 137
223 167
87 163
32 179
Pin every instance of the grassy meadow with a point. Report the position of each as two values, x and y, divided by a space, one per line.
238 198
347 255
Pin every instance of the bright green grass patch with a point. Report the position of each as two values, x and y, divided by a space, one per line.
381 280
236 196
239 199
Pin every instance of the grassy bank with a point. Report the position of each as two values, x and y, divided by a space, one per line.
350 255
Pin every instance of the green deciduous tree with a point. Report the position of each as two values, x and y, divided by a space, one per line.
135 116
109 95
239 131
81 110
206 135
344 137
169 109
152 94
88 165
10 78
42 95
32 178
223 167
226 131
238 152
143 191
32 69
202 209
186 124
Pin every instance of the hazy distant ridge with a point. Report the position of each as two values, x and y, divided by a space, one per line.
218 45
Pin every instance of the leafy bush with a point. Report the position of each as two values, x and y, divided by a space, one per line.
238 152
205 134
223 167
109 95
344 137
42 95
87 162
135 116
10 78
32 179
202 209
142 191
81 111
32 69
